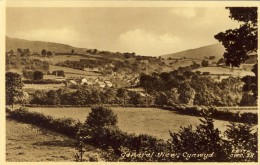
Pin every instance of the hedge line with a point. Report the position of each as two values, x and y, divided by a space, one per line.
44 81
66 126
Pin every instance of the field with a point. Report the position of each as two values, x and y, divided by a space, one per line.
70 72
43 86
61 58
38 144
150 121
221 70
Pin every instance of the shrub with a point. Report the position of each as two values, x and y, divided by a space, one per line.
100 117
243 141
204 139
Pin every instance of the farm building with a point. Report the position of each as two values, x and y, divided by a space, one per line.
100 84
108 83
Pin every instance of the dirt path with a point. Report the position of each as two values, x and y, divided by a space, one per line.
25 143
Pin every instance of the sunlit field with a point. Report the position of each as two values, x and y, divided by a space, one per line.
152 121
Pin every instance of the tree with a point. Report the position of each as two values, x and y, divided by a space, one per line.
44 52
39 97
110 94
101 117
72 51
53 98
122 93
203 139
240 42
37 75
28 74
58 73
174 95
135 98
187 93
247 100
19 50
80 97
205 63
23 98
49 53
161 99
13 84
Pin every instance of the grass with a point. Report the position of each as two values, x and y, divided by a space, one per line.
38 144
221 70
70 72
43 86
61 58
151 121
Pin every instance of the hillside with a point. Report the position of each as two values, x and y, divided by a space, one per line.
216 50
37 46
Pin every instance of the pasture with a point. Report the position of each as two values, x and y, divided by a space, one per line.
70 72
221 70
151 121
39 144
61 58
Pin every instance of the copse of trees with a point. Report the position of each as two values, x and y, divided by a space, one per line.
47 53
192 88
85 96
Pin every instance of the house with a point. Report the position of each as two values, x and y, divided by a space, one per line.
108 83
100 84
83 81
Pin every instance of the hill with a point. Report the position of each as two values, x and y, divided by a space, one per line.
216 50
37 46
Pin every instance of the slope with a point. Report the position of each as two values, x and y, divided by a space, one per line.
216 50
37 46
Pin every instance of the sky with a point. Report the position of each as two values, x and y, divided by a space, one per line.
145 31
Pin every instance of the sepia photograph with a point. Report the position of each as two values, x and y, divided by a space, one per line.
118 82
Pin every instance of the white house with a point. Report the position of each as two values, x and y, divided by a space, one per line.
101 84
83 81
108 83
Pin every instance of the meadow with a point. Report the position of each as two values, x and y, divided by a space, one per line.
40 144
70 72
151 121
221 70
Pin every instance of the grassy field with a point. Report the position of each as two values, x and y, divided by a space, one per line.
70 72
221 70
38 144
61 58
150 121
43 86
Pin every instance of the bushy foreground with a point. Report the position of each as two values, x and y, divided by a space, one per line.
202 143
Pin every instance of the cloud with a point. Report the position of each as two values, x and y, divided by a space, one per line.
147 43
184 12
